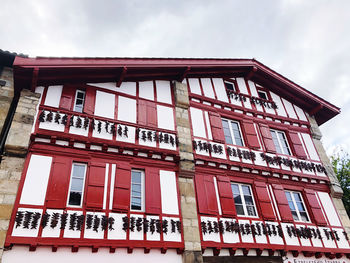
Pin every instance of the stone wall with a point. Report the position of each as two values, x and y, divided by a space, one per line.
12 164
192 251
336 190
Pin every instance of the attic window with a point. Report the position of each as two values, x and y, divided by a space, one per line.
262 95
230 86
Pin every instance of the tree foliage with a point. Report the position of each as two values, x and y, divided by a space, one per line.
341 167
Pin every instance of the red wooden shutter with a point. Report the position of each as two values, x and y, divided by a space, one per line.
317 214
121 198
264 201
282 203
216 127
89 103
226 197
59 183
206 195
267 138
151 114
297 145
153 198
67 98
250 132
142 112
95 186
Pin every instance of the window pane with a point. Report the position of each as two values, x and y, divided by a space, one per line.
78 170
136 177
289 197
248 200
297 197
262 95
74 198
246 190
239 209
80 95
304 217
227 132
77 184
237 134
229 86
284 143
251 211
136 190
291 205
235 188
300 206
295 216
238 199
275 142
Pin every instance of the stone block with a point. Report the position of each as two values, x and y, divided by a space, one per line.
192 257
8 186
2 237
5 211
4 224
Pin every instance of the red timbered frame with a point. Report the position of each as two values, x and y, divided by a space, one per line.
84 156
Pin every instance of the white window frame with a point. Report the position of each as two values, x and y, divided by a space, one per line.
231 132
243 200
142 190
279 141
70 184
76 97
267 97
296 207
233 84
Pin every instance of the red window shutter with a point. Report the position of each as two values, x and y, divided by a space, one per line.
206 196
121 198
250 132
226 197
264 201
297 145
151 114
153 196
59 182
95 185
216 127
267 138
142 112
89 103
282 203
317 214
67 98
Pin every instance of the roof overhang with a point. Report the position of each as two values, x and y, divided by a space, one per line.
29 72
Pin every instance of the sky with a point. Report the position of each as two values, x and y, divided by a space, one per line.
306 41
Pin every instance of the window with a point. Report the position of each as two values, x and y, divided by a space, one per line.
244 201
230 86
297 206
232 132
79 100
137 190
280 141
76 188
262 95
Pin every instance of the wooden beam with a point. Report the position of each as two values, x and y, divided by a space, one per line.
251 73
122 76
184 74
315 110
35 79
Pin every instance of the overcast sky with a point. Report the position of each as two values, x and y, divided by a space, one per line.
306 41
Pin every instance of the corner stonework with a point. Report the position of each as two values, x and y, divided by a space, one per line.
192 240
12 162
336 191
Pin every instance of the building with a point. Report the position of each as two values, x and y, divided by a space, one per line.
183 160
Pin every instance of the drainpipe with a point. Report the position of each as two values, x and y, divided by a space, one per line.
8 122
